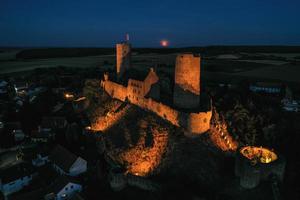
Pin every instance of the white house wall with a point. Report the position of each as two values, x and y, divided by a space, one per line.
15 186
68 191
79 167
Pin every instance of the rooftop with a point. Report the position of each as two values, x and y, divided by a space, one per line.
63 157
15 172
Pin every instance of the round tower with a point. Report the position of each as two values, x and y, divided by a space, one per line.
254 164
187 81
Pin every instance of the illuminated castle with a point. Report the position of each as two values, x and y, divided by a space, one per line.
144 91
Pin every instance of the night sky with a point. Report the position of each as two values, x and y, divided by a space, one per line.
99 23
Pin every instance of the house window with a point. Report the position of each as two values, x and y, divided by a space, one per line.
72 186
66 188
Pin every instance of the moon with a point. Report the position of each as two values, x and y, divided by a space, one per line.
164 43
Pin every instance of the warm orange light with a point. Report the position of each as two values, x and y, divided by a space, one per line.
106 121
141 160
69 96
164 43
220 135
258 154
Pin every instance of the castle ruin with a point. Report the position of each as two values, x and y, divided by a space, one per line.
187 81
123 57
144 91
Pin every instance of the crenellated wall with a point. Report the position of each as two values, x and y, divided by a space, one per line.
115 90
195 123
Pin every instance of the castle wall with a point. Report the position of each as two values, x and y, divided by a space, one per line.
195 123
115 90
187 81
199 122
161 110
151 79
135 90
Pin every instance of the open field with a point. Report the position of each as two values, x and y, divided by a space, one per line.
284 55
24 65
8 54
281 72
270 62
212 69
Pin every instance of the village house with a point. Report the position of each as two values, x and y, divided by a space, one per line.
21 88
15 178
266 87
63 188
3 88
65 162
54 123
290 105
42 135
40 159
15 130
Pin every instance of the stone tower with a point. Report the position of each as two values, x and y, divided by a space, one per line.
123 57
187 81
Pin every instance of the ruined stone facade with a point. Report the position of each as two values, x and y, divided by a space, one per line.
251 174
187 81
123 57
145 94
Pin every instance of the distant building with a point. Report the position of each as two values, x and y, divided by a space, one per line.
3 88
40 159
65 162
15 129
266 87
290 105
21 88
53 123
18 135
42 135
16 177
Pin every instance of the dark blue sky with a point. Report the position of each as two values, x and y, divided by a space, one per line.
101 23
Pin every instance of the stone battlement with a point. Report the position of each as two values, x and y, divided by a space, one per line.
195 123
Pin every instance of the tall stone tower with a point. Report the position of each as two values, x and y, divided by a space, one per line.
123 57
187 81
